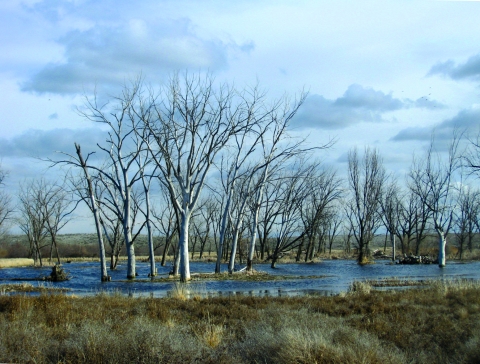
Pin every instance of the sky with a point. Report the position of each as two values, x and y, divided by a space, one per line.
380 74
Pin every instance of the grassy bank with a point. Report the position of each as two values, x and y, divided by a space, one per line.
440 323
15 262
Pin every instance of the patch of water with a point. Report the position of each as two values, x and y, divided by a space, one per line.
327 277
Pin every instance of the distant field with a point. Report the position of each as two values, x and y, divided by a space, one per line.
15 262
77 246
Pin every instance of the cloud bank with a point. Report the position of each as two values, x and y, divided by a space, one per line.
469 70
464 120
105 55
45 143
358 104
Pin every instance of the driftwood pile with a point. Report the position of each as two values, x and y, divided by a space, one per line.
58 274
416 259
379 254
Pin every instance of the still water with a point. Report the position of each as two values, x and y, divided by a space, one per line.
325 278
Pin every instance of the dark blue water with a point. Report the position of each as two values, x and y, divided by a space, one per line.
327 277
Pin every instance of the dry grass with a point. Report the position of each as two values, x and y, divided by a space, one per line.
436 324
27 287
362 287
15 262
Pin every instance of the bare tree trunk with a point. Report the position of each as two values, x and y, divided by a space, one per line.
165 251
392 240
184 267
54 243
299 251
151 250
103 264
442 243
253 238
176 262
231 263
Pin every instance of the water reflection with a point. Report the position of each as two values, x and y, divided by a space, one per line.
325 278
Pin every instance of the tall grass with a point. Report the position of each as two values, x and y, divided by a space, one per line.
437 324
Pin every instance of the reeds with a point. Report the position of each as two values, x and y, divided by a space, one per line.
438 323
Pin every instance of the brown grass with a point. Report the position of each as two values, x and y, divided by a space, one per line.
27 287
15 262
437 324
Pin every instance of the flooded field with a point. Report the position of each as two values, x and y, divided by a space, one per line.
324 278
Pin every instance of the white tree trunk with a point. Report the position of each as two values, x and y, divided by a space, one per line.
103 263
253 239
183 247
127 231
231 263
151 252
131 273
442 243
223 229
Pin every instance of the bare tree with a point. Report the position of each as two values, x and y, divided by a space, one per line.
277 150
79 161
112 228
6 208
44 211
269 212
291 192
238 216
166 217
122 149
58 209
390 206
333 224
413 218
325 189
147 213
431 180
193 121
245 143
209 214
468 202
366 178
32 218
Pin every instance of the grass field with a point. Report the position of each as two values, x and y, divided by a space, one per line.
436 324
15 262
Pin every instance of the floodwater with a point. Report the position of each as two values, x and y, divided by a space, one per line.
324 278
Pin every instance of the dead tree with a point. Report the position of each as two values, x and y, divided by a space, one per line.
431 179
192 121
366 177
6 208
122 150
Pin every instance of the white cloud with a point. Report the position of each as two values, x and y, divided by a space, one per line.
358 104
467 70
105 55
465 120
45 143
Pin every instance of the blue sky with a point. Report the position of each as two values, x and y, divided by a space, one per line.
379 73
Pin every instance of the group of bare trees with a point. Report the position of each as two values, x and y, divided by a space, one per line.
44 209
435 199
195 166
177 140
